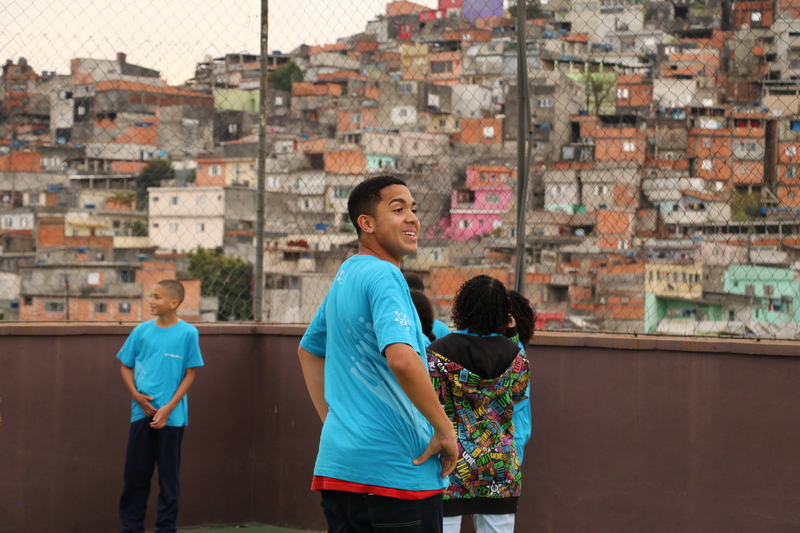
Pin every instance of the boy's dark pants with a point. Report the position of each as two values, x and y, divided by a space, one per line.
368 513
147 448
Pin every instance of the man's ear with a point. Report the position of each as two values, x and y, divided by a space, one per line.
174 304
366 222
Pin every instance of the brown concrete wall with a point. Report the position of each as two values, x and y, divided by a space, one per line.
629 434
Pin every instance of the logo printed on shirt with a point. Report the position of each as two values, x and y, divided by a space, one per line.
340 279
402 318
173 355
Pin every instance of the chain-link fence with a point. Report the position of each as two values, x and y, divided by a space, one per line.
653 146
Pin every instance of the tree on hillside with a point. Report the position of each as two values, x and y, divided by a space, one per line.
533 10
282 78
228 278
151 176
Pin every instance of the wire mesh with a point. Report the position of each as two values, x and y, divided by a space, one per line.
659 148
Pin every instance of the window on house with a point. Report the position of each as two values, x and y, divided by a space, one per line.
791 171
94 279
403 112
173 228
357 118
493 198
719 185
233 128
706 143
100 307
201 227
127 276
405 88
488 132
124 308
707 164
81 110
756 17
33 199
173 200
791 151
214 170
600 189
54 307
623 94
342 192
628 146
464 224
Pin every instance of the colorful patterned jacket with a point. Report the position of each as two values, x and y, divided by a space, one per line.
478 380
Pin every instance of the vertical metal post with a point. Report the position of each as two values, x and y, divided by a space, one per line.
523 117
66 296
258 275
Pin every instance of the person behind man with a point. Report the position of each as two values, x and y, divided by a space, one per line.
424 312
525 319
479 375
415 283
363 363
158 366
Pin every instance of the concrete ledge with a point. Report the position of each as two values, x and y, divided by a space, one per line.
773 348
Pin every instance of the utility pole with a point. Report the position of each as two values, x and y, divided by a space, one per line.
258 275
523 117
66 295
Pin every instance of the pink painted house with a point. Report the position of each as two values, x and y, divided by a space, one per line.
476 209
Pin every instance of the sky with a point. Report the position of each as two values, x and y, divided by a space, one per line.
170 35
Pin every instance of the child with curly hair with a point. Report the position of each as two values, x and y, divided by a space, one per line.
479 374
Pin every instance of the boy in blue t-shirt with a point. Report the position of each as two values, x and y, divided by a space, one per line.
158 361
363 361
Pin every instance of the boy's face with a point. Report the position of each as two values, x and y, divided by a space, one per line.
161 302
395 225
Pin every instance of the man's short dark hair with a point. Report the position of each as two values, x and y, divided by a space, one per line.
482 306
366 196
174 288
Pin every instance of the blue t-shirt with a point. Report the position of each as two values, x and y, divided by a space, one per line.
159 358
440 329
372 431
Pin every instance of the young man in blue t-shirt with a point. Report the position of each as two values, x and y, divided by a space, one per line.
158 361
363 361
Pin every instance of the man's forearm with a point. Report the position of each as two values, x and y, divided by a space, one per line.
314 374
413 378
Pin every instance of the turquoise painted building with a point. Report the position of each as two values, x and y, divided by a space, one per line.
376 162
773 292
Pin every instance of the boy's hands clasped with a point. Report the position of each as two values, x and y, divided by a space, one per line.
159 416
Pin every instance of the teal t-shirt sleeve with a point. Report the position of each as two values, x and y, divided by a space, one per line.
127 354
315 338
440 329
394 315
194 358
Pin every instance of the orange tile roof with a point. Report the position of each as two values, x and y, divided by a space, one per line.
343 74
141 87
576 37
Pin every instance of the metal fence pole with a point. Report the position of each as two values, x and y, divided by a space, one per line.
258 275
523 117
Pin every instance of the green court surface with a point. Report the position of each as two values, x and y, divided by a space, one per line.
246 528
